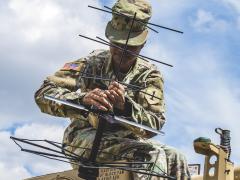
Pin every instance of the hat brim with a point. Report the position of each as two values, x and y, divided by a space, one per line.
136 38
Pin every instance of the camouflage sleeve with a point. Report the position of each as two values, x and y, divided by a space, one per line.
63 85
145 109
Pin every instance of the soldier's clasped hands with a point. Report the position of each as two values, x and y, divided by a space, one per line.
105 100
98 98
116 94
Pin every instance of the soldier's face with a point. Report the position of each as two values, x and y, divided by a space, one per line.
128 59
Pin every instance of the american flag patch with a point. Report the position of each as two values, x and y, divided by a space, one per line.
71 66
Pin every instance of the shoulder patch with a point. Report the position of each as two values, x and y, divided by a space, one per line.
155 92
71 66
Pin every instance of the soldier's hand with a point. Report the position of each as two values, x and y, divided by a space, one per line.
98 98
116 93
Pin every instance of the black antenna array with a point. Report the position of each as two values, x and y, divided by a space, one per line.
125 50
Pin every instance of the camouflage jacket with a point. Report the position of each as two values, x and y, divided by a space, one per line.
68 84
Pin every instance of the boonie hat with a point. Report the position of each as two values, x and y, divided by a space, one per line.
118 28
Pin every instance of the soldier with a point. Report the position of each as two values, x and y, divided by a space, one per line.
118 139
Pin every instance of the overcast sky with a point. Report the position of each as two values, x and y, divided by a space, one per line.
202 91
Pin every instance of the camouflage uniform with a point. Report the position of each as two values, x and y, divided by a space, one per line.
118 139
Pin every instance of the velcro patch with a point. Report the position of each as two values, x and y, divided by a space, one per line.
71 66
155 93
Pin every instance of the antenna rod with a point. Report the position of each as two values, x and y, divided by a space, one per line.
94 77
132 86
120 14
141 22
130 52
147 22
111 12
